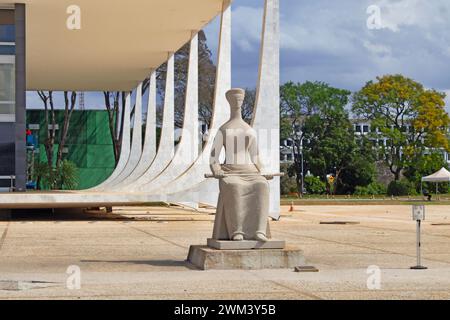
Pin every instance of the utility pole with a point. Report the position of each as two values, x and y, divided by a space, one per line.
303 169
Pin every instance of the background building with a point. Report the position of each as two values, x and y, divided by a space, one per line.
360 127
88 146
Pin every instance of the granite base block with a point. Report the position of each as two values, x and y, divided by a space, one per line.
206 258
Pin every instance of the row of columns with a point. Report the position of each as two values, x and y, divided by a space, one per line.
178 175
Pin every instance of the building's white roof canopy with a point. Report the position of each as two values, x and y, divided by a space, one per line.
118 44
441 176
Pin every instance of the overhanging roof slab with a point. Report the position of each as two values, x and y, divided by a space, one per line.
119 43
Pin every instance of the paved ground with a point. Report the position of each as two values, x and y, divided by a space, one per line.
141 255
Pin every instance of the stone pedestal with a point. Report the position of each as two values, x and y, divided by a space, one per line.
245 245
206 258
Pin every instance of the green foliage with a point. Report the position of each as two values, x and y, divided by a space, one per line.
360 171
314 185
41 174
422 166
430 187
68 175
49 178
288 183
331 148
412 118
318 112
401 188
373 189
298 101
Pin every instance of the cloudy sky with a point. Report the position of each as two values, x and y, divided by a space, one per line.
340 42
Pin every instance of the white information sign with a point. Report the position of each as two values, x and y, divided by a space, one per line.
418 213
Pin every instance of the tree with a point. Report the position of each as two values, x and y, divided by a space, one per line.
54 165
65 178
304 108
115 106
331 148
288 184
50 125
248 105
115 101
411 118
69 107
206 81
361 169
423 166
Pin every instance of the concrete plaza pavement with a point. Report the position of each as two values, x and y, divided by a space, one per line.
139 253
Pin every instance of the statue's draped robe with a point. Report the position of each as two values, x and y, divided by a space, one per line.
243 201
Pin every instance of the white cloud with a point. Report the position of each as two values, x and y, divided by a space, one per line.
377 49
246 27
329 41
404 13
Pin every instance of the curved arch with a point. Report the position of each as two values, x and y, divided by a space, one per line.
125 149
266 115
193 178
149 149
136 142
166 149
187 150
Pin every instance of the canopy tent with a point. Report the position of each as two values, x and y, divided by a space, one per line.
443 175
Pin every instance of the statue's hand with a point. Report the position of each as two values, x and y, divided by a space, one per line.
268 176
219 174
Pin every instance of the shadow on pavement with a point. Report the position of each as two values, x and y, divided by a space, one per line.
155 263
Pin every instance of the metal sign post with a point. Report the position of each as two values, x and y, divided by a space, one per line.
418 213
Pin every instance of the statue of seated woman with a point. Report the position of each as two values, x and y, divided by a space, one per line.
243 206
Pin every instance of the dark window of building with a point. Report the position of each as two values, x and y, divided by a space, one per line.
7 84
357 128
7 33
365 129
7 159
7 26
7 50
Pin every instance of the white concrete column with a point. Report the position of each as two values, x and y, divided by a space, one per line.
125 146
166 148
136 142
266 118
149 149
192 186
187 150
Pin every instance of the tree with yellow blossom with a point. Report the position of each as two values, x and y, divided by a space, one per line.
411 118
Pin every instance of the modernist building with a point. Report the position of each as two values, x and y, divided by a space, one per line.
12 96
89 144
94 45
360 127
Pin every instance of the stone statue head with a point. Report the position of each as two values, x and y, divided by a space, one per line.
235 98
